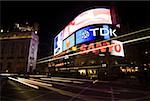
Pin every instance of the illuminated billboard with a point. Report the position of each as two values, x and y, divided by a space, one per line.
117 50
69 42
58 44
84 35
95 32
90 17
114 47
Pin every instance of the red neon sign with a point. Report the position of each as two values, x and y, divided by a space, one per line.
111 48
85 47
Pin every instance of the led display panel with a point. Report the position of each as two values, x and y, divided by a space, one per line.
58 44
89 17
117 50
95 32
84 35
69 42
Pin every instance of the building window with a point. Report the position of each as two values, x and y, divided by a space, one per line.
10 57
1 66
9 66
2 50
12 50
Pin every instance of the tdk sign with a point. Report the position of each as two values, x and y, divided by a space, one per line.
103 32
85 34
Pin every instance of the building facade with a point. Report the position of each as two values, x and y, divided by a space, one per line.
86 32
18 51
94 32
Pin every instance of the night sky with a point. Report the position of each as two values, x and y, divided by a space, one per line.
53 16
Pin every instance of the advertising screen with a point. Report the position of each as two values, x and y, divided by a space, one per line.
69 42
95 32
89 17
117 50
58 44
84 35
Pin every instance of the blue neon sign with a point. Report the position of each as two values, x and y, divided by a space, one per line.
84 35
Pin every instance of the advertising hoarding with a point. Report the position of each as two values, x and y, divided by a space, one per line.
89 17
69 42
84 35
58 44
95 32
117 50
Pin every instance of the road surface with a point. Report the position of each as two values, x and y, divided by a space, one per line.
71 89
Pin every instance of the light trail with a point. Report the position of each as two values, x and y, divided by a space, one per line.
73 94
52 79
125 42
61 80
34 82
138 39
74 79
128 34
77 53
20 81
8 74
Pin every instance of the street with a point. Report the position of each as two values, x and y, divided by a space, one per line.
75 51
71 89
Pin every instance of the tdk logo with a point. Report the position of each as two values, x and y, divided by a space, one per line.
104 31
85 34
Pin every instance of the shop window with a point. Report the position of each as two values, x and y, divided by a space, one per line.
82 72
92 71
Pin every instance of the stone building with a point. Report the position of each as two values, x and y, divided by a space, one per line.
18 51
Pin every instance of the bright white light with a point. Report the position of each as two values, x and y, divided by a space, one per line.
146 52
66 56
35 32
17 25
118 25
2 30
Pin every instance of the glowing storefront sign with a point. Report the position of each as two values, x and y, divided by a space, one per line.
69 42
